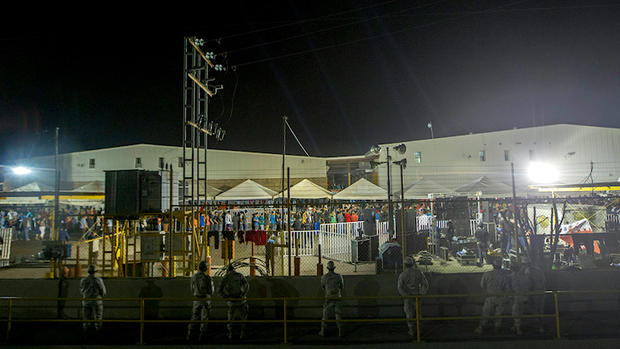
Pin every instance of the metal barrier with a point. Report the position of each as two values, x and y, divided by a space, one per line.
6 236
286 300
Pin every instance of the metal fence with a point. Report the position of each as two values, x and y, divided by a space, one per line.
6 236
137 312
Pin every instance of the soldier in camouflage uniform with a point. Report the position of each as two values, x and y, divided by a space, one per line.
333 284
537 284
93 288
411 282
493 282
201 286
234 285
519 284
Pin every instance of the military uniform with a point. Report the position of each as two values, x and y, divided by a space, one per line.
92 287
201 287
520 283
333 284
537 284
234 285
411 282
493 282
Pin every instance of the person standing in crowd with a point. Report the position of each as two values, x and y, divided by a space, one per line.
333 285
92 289
493 282
201 286
411 282
482 237
235 287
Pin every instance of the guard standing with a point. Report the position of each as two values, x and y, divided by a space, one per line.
92 289
202 287
482 237
411 282
333 284
493 282
234 285
520 284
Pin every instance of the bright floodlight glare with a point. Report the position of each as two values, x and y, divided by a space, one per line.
542 173
20 170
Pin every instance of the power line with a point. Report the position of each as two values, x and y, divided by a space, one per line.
330 28
308 20
358 40
297 139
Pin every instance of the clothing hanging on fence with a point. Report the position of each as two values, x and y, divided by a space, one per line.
241 236
229 235
216 237
259 237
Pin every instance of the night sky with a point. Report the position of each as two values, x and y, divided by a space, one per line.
348 74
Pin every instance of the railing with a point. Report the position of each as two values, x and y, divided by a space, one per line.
304 243
6 235
418 319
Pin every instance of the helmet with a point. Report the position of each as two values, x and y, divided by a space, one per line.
202 266
92 269
331 265
409 261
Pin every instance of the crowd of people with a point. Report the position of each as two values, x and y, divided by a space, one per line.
36 223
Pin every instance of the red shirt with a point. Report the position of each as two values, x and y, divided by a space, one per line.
347 217
355 217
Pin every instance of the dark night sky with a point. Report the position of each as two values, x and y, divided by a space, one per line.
113 76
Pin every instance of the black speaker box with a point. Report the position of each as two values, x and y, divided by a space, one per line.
129 193
370 226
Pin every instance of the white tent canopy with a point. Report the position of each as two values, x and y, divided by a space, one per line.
247 190
307 189
422 188
32 186
486 187
91 187
362 190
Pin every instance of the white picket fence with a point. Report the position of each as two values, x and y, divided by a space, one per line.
6 234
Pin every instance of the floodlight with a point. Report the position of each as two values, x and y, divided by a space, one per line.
21 171
374 164
375 149
542 173
401 148
402 163
429 125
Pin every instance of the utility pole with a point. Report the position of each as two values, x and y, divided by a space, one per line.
516 210
389 188
284 118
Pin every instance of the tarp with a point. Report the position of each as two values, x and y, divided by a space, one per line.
363 189
581 226
421 188
247 190
307 189
486 187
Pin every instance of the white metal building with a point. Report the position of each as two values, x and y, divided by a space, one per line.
568 151
225 168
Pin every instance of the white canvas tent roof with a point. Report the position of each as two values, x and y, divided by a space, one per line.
247 190
32 186
91 187
363 189
422 187
485 186
307 189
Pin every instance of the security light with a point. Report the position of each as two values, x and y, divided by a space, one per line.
21 171
542 173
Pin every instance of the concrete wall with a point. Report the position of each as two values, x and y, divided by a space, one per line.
380 285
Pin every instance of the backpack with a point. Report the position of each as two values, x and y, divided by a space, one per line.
203 284
91 289
233 288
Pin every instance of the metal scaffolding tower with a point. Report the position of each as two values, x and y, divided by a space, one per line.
196 94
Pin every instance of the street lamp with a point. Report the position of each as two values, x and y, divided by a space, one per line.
430 126
402 164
